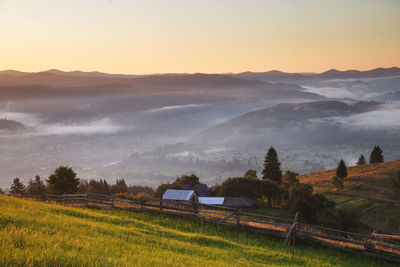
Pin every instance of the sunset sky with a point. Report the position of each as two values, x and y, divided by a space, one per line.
212 36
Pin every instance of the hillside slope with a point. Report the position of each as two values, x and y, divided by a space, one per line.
39 234
367 193
370 180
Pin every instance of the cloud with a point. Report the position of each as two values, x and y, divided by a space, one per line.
166 108
24 118
104 126
381 119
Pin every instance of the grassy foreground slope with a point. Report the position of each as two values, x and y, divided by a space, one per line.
39 234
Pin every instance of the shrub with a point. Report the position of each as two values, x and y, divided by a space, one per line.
337 183
392 223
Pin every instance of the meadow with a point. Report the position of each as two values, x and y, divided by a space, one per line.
40 234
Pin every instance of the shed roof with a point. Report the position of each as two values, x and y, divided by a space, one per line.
212 200
174 194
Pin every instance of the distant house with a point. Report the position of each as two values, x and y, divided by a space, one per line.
239 202
174 194
191 195
202 190
212 200
228 201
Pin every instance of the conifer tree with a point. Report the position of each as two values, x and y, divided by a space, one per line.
17 187
361 160
376 155
341 171
36 186
272 166
63 181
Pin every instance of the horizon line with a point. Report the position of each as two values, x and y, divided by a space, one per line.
191 73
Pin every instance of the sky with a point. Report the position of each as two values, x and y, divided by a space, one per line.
210 36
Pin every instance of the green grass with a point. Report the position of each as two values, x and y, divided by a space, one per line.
39 234
358 205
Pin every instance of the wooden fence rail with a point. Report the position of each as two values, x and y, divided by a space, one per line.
366 245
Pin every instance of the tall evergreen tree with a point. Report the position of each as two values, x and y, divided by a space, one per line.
36 186
17 187
376 155
361 160
63 181
341 171
272 166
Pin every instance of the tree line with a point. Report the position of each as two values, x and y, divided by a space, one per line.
64 181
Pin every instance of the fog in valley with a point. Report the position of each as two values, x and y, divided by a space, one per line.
150 129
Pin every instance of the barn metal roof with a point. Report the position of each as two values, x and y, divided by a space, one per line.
174 194
212 200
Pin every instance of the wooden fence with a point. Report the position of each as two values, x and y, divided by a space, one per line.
377 245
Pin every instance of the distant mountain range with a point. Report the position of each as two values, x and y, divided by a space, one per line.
17 85
173 79
330 74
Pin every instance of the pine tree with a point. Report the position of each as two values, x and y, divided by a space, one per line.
272 166
361 160
17 187
36 186
376 155
341 171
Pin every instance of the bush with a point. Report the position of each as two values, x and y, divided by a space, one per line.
395 183
392 223
129 196
337 183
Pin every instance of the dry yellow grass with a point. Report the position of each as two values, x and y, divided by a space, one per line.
369 181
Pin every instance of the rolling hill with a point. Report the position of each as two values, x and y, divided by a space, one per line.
317 122
11 126
367 192
57 83
361 180
39 234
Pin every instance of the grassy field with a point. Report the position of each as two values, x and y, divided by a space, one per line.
39 234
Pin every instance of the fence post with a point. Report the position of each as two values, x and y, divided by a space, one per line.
291 236
369 245
112 202
237 216
86 200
